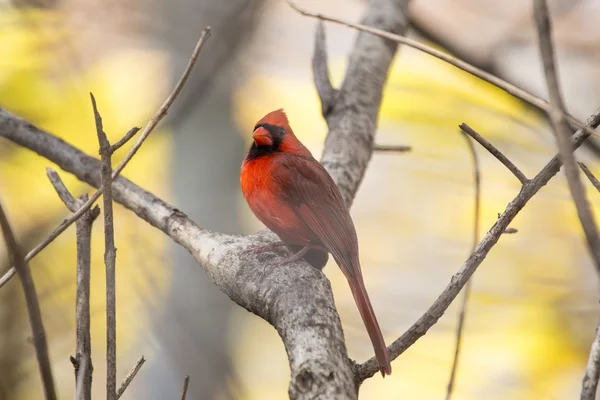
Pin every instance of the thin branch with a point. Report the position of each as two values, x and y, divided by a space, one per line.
125 382
495 152
562 132
590 176
458 280
321 71
83 349
125 139
186 382
110 255
592 370
463 306
384 148
162 111
33 306
460 64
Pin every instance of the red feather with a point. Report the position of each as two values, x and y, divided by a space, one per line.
294 196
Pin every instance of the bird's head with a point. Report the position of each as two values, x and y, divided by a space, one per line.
273 134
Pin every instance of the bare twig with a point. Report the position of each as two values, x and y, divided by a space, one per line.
592 370
83 352
495 152
384 148
465 300
321 71
590 176
125 139
125 382
561 129
186 382
460 64
458 280
33 306
110 255
162 111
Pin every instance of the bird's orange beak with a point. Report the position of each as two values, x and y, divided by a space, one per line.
262 137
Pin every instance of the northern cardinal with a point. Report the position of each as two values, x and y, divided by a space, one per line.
294 196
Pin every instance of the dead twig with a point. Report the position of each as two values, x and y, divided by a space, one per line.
83 348
162 111
125 382
562 132
186 382
465 300
495 152
110 256
33 306
460 64
590 176
384 148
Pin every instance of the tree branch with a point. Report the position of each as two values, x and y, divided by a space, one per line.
495 152
83 350
458 280
162 111
110 255
186 383
460 64
295 298
320 68
590 176
33 306
391 148
561 130
125 383
589 385
465 300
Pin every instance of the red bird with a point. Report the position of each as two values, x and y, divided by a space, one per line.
294 196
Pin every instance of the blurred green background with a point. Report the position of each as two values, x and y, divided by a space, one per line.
534 305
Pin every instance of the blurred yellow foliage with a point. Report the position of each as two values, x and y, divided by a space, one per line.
40 85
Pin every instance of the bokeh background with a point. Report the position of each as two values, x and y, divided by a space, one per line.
534 305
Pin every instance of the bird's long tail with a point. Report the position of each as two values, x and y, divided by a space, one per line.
361 298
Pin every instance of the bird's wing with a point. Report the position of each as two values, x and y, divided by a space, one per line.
316 200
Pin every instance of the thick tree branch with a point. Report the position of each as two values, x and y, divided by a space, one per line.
295 298
33 306
561 130
83 351
458 280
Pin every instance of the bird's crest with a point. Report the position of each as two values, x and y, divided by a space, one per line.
277 118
